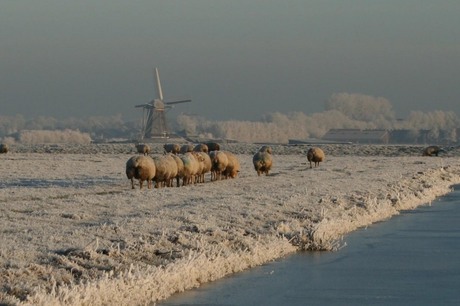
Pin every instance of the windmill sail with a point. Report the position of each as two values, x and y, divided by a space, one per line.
154 118
159 91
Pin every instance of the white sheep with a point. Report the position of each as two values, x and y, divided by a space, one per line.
141 168
191 168
143 148
263 161
219 162
206 165
166 170
315 155
180 169
233 166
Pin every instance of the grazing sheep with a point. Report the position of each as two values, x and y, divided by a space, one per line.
191 168
432 150
263 162
173 148
166 168
201 147
233 166
213 146
206 165
267 149
4 148
141 168
219 162
180 169
315 155
143 148
186 148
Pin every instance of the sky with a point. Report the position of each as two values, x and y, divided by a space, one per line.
236 59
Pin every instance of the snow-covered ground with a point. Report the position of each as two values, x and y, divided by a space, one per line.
74 232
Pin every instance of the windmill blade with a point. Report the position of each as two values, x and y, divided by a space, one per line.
157 79
178 101
145 105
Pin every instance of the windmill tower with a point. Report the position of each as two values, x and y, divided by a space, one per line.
154 123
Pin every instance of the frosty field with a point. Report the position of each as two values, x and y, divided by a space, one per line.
73 232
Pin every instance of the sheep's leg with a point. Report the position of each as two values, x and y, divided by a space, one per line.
132 183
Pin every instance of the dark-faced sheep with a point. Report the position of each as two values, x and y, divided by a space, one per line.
263 162
201 147
173 148
315 155
4 148
233 166
186 148
267 149
213 146
219 162
141 168
432 151
143 148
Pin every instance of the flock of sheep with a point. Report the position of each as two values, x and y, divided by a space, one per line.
188 164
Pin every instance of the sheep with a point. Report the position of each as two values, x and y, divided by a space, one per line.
233 166
201 147
262 161
219 162
4 148
166 170
213 146
143 148
191 168
180 169
315 155
200 167
267 149
141 168
186 148
206 165
173 148
432 150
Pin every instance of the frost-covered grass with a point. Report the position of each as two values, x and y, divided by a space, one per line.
73 232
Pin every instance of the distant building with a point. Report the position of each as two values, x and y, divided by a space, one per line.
424 136
358 136
406 136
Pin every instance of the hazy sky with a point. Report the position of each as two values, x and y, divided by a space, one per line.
236 59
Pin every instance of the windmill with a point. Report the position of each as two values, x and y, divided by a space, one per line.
154 123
